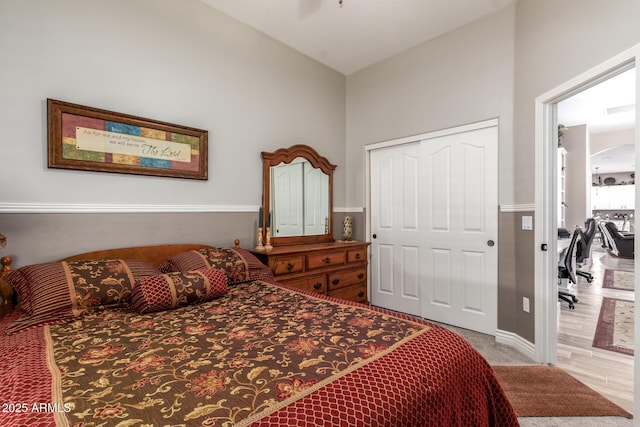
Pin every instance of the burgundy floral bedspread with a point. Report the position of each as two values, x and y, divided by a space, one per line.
262 355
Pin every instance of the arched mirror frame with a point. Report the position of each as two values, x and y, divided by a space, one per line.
287 155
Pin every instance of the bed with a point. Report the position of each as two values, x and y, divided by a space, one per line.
191 335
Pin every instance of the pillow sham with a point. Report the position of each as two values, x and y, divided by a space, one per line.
239 265
171 290
68 289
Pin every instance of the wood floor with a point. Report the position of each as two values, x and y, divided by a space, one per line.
607 372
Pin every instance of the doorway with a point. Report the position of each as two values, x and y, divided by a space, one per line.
596 142
546 179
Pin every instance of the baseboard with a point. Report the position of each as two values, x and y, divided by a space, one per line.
513 340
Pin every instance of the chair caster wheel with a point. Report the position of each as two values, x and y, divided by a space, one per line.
572 307
574 299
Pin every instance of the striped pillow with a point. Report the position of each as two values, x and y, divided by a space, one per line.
63 290
239 265
167 291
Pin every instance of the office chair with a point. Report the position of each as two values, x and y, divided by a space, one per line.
621 244
567 269
583 249
604 236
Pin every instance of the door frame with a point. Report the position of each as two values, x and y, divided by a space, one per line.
546 209
409 139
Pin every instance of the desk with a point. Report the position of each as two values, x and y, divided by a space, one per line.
563 244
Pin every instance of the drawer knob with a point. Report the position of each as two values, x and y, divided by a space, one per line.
327 260
289 266
357 256
335 281
361 294
360 276
317 286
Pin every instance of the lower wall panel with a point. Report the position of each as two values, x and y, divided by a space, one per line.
34 237
41 237
516 275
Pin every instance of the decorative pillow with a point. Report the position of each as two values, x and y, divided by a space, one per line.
239 265
171 290
67 289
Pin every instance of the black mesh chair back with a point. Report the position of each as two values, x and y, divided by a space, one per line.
583 250
567 270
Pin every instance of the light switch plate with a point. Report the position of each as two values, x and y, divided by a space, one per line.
527 222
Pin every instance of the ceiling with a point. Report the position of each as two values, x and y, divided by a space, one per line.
606 107
358 33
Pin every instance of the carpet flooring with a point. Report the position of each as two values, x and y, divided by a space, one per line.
618 279
545 391
614 330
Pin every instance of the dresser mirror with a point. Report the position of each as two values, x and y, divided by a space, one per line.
297 196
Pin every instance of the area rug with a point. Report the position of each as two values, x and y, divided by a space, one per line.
614 330
618 279
546 391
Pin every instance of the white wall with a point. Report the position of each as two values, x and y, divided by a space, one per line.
178 61
578 174
555 42
462 77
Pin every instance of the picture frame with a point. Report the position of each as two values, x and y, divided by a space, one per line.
92 139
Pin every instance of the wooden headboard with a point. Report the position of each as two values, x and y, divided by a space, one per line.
152 255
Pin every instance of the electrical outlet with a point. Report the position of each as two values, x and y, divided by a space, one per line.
525 304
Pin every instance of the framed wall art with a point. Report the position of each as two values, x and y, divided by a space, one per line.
91 139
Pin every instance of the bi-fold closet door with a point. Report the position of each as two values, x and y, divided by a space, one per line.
433 225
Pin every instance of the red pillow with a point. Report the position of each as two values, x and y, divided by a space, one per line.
66 290
171 290
238 264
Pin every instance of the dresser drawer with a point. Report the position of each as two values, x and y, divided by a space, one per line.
314 283
357 255
326 259
347 278
338 269
285 265
357 293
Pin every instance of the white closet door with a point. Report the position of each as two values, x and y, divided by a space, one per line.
316 199
460 206
287 201
434 216
395 249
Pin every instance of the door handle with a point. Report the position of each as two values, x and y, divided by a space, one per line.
490 243
375 236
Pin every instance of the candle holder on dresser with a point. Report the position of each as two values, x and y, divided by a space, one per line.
267 242
259 246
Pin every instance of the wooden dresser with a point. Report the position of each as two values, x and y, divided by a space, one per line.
337 269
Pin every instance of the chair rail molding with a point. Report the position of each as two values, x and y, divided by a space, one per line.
524 207
118 208
131 208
